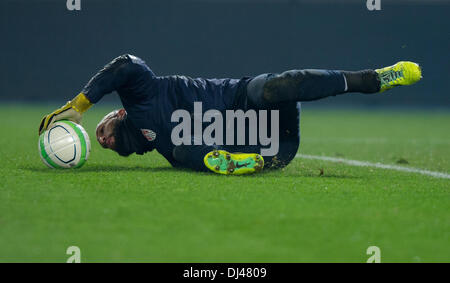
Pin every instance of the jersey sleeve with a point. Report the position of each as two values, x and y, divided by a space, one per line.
121 73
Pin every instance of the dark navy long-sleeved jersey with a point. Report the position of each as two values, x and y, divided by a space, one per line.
150 100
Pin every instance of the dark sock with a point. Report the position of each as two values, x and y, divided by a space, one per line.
365 81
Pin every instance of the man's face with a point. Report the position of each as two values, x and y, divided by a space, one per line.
106 129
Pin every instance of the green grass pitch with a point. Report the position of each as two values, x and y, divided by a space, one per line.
140 209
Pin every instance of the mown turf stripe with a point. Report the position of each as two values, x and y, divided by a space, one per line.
376 165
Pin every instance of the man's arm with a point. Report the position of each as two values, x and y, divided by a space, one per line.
120 73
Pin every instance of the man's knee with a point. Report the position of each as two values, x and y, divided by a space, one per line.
179 153
287 83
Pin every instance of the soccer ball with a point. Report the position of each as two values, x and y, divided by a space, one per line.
64 145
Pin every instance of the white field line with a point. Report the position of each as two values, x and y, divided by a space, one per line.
378 140
375 165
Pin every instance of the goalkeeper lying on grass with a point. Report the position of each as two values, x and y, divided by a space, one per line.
145 123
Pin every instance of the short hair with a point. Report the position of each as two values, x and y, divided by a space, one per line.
107 116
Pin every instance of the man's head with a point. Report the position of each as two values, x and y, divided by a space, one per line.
108 128
116 132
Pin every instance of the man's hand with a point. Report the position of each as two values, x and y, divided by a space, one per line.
72 111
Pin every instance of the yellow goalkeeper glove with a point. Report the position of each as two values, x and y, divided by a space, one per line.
72 111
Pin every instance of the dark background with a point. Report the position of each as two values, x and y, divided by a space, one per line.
48 53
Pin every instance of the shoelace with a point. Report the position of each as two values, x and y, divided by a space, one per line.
391 76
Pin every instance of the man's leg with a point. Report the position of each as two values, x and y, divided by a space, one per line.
273 91
288 124
308 85
289 136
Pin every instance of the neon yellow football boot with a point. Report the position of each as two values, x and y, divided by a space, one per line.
223 162
402 73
